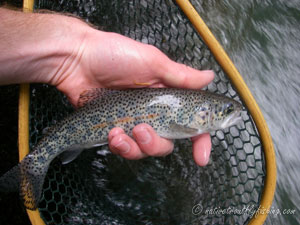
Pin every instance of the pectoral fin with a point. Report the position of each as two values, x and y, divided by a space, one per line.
182 131
176 127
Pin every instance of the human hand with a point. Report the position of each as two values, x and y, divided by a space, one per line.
74 57
113 61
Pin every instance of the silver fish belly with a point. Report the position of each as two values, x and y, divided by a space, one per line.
173 113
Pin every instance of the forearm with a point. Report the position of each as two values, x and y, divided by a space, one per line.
38 47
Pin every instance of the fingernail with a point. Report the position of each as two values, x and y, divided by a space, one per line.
123 147
115 132
209 72
205 156
143 136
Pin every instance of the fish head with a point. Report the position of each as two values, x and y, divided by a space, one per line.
226 115
220 113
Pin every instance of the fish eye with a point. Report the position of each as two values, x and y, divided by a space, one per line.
229 108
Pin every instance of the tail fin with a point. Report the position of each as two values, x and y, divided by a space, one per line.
28 176
10 181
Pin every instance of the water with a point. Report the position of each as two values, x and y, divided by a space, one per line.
262 38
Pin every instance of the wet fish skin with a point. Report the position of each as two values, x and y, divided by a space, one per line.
173 113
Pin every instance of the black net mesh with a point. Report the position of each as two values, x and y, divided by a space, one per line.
17 4
101 188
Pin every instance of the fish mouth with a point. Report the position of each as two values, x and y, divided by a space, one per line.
233 119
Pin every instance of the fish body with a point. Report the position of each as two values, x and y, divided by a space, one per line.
173 113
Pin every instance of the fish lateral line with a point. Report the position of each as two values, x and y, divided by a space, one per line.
125 120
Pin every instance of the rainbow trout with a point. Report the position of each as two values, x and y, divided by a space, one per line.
173 113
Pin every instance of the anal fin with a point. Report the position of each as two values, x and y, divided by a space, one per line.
73 151
70 154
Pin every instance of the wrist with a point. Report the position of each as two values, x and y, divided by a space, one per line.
39 47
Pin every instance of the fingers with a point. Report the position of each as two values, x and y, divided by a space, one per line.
201 149
126 147
146 143
150 143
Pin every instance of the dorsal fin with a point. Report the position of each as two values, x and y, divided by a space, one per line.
88 96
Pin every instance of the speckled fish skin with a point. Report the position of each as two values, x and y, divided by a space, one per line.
173 113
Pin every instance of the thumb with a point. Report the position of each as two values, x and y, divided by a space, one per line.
181 76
